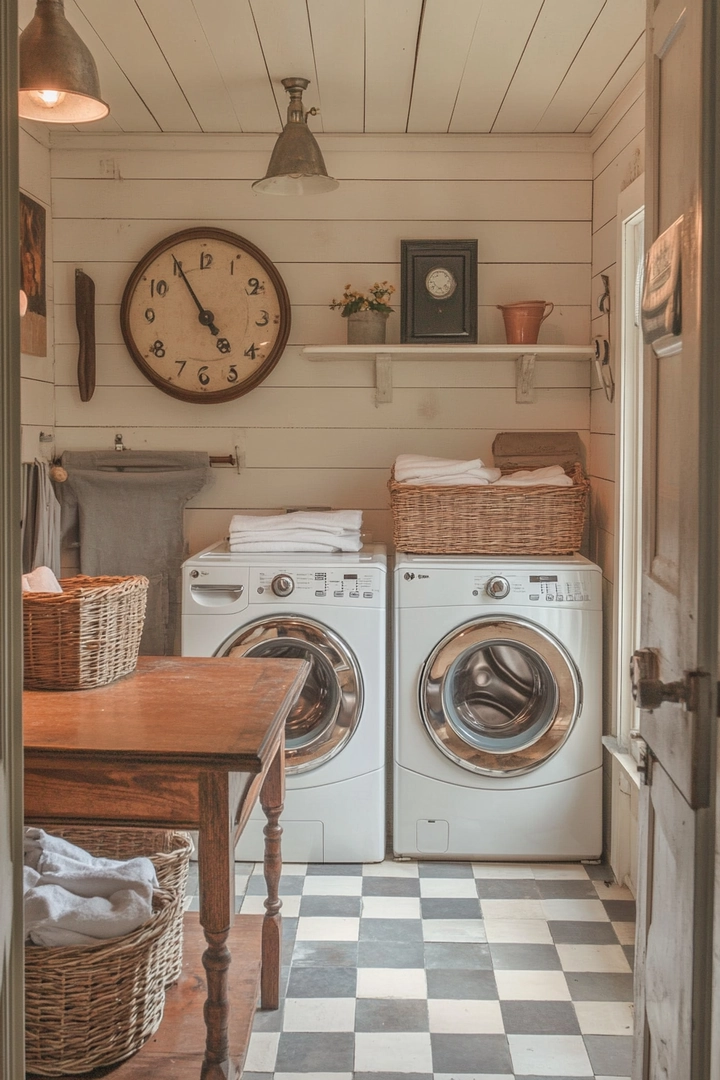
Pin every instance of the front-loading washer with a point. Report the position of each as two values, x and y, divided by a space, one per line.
497 707
329 609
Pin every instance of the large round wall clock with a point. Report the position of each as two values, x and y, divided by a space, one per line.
205 315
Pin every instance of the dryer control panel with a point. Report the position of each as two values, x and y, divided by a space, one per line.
493 586
569 588
332 585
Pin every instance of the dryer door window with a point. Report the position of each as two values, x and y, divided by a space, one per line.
499 697
328 710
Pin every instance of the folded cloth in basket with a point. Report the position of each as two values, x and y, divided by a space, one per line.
327 521
418 469
294 540
551 475
72 898
41 579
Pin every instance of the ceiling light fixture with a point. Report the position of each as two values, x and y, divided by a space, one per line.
296 166
59 81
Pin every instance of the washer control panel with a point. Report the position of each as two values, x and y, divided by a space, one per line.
493 586
571 587
332 585
498 587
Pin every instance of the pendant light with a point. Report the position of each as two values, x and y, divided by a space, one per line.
296 166
58 78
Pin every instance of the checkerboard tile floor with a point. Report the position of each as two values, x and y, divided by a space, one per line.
446 971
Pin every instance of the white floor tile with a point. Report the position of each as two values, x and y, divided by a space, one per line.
291 869
391 907
559 872
393 1052
612 892
453 930
332 885
605 1017
319 1014
262 1051
522 931
625 932
593 958
574 911
501 870
312 1076
255 905
532 986
448 1016
549 1055
312 928
470 1076
513 909
390 868
392 983
457 888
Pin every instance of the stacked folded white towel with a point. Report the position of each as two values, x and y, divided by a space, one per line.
304 530
41 579
418 469
72 898
551 475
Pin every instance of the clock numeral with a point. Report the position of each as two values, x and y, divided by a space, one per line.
205 260
149 315
265 319
233 376
158 348
254 286
160 287
177 267
181 364
223 345
251 350
203 377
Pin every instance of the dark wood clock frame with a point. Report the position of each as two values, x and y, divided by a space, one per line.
426 320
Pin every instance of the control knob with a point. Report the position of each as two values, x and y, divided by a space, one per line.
497 587
282 585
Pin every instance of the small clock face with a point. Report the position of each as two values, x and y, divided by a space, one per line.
440 282
205 315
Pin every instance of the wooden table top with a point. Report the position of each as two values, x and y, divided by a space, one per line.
191 710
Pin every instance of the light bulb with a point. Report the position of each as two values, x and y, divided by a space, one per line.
23 302
47 98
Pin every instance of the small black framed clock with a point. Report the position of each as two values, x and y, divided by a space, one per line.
438 292
205 315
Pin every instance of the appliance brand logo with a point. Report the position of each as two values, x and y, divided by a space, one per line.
423 577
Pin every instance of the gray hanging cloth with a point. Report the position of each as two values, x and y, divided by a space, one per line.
127 509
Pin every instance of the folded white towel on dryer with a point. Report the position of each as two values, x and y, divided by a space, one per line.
294 541
327 521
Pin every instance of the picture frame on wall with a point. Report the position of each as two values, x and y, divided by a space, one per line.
33 325
438 292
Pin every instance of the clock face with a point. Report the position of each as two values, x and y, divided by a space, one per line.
440 282
205 315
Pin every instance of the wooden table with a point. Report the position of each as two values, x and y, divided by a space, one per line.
183 742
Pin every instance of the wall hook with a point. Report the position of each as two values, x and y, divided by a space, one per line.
604 300
119 443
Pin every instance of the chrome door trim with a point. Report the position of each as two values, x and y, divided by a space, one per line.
332 664
552 659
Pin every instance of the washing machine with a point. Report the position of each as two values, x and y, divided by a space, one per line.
497 708
329 609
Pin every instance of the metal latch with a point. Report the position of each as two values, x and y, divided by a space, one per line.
649 692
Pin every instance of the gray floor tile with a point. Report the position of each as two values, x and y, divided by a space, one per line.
327 869
599 872
322 982
450 954
557 889
445 869
393 1076
463 1053
539 1018
620 910
315 1052
257 1076
507 889
381 1014
629 951
289 925
461 985
525 957
444 907
268 1020
599 986
610 1055
290 885
390 886
583 933
337 906
391 954
391 930
325 954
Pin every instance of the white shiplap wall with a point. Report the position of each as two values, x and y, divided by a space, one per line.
37 390
311 434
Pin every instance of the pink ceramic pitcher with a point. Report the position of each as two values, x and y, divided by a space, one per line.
524 319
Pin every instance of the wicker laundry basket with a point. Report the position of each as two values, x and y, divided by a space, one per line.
468 520
87 635
89 1006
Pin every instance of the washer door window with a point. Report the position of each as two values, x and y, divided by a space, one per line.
328 710
499 697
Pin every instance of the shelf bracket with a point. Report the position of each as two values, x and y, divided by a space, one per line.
383 379
525 379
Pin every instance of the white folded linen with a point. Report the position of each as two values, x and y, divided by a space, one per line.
329 541
449 481
417 468
551 475
41 579
336 522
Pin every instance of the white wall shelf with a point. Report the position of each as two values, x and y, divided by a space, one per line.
384 356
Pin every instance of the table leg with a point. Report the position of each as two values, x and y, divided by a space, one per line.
272 794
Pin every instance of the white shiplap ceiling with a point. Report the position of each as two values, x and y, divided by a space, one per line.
431 66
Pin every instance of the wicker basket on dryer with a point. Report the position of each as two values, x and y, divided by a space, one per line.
464 519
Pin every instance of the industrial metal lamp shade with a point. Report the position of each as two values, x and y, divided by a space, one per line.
296 166
58 78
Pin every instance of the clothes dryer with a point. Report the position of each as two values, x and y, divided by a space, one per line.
329 609
497 707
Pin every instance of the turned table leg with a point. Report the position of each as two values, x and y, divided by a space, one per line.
272 794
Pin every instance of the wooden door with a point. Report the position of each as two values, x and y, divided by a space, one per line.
680 583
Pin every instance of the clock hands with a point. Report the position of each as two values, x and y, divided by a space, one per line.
206 317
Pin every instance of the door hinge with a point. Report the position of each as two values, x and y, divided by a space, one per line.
644 757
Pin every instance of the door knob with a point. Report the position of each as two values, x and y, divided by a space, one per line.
648 690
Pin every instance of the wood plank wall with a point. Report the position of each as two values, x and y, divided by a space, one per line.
311 434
